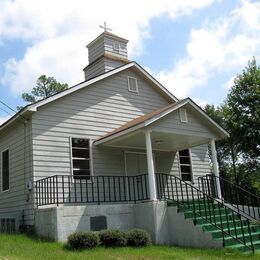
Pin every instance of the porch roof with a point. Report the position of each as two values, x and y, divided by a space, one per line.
147 119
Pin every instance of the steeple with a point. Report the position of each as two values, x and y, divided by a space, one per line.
107 52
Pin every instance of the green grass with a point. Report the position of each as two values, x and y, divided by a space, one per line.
23 247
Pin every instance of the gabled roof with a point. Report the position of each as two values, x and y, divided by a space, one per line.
33 107
153 116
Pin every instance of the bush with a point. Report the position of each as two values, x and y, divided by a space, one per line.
138 237
112 238
82 240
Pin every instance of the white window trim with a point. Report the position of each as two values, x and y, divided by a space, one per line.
191 166
128 84
7 149
91 141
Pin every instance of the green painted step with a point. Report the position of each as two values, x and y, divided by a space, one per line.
201 220
191 214
217 233
223 217
198 207
225 224
242 247
232 241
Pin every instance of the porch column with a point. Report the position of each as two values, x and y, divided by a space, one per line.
150 166
215 166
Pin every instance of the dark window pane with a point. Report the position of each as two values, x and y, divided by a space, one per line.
5 170
184 153
186 177
79 174
80 153
185 169
184 160
78 142
80 164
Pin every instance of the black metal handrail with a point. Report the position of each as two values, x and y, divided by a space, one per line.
204 206
243 200
62 189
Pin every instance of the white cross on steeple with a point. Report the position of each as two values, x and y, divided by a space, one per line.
105 27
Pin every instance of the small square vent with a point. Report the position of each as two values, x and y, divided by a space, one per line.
183 115
132 84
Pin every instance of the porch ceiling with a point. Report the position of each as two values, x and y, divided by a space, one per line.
161 141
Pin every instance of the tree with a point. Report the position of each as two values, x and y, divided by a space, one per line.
239 155
45 87
243 101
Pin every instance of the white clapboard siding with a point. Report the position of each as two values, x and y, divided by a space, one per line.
95 69
91 112
109 46
96 50
13 202
194 126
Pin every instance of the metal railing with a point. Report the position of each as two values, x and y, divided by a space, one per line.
206 207
241 199
62 189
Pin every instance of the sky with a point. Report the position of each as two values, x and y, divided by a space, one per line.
194 48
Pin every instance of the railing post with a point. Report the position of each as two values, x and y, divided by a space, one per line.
215 166
150 166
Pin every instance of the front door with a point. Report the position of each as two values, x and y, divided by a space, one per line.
136 164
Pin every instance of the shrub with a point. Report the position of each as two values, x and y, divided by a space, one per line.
82 240
112 238
138 237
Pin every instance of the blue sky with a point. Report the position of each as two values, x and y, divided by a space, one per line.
194 48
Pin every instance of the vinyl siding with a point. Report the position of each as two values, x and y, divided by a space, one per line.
17 139
168 162
112 64
194 126
91 112
94 70
96 50
109 47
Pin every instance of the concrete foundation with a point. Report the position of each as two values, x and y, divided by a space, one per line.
165 224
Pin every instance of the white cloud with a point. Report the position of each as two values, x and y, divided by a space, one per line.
57 32
228 84
224 45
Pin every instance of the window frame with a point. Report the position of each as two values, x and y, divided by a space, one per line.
90 156
2 190
128 84
191 166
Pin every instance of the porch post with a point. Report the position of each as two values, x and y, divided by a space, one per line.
215 166
150 166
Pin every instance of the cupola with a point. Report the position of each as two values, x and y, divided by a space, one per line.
107 52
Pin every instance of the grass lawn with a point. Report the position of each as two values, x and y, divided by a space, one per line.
23 247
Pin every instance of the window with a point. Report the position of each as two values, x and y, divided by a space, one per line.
116 46
183 115
185 165
80 158
132 84
5 170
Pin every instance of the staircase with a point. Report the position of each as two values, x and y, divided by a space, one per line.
224 222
